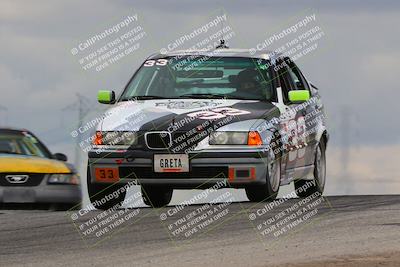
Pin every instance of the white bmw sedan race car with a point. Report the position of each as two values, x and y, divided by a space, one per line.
194 119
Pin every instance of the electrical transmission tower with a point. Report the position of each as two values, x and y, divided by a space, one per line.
4 109
349 121
82 105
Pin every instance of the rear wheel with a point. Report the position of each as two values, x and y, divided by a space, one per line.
270 189
318 183
156 196
105 196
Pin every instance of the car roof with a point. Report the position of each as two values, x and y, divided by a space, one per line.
221 52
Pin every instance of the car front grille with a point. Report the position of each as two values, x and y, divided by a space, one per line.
34 179
158 140
195 172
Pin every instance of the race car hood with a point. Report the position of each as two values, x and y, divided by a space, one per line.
164 114
30 164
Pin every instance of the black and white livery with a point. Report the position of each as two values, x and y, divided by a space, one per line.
191 119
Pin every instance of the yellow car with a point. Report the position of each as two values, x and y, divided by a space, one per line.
29 173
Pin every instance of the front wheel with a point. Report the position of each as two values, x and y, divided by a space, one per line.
270 189
318 183
156 197
105 196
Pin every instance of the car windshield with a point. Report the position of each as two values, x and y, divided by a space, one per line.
22 144
202 77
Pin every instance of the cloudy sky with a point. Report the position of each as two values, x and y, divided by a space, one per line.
355 65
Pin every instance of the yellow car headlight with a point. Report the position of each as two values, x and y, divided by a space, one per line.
61 178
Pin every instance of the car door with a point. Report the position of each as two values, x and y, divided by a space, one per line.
305 137
289 128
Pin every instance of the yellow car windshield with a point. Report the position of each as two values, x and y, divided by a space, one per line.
22 144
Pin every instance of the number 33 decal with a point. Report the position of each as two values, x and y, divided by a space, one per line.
217 113
158 62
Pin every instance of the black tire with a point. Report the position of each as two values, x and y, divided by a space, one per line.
318 183
98 192
269 190
156 197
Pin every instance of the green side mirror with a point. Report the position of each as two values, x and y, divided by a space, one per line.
299 96
106 97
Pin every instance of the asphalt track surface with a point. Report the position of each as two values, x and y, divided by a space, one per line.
340 231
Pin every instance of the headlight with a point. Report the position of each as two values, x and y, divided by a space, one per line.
239 138
219 138
63 179
235 138
115 138
228 138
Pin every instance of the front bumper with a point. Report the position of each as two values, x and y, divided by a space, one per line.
233 169
42 193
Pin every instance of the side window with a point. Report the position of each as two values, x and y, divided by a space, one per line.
297 80
284 80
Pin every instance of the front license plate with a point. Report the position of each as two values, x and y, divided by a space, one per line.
18 195
107 175
171 163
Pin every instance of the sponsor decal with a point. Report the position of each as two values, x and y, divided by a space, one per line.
187 104
218 113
